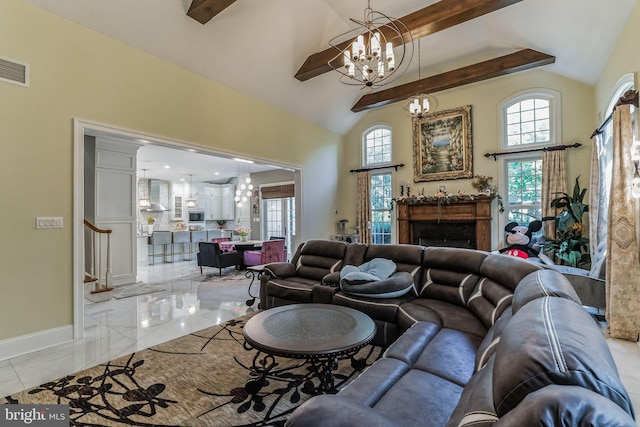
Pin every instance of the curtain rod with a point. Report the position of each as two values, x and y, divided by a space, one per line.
396 166
629 97
551 148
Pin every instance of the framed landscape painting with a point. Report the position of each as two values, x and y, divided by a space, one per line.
442 145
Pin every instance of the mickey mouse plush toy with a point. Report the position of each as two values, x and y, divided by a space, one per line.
518 239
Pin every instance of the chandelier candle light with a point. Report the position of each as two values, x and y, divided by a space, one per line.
419 105
369 60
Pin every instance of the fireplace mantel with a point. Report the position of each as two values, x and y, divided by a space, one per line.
476 211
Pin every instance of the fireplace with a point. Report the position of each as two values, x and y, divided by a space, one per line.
461 223
451 234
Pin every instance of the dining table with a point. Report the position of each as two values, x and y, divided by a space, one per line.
241 246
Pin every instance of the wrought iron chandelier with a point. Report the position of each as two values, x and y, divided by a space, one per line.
368 57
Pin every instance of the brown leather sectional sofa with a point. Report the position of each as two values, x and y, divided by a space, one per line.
481 339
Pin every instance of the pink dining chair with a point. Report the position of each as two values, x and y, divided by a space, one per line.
272 251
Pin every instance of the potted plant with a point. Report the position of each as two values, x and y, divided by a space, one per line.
570 245
221 223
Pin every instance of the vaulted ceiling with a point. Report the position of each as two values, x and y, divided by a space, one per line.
273 50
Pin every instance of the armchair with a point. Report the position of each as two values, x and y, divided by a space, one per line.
210 255
272 251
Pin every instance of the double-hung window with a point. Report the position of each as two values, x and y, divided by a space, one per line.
529 120
376 148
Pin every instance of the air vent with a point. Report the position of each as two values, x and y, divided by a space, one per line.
14 72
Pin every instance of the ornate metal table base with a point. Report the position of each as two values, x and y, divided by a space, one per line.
319 367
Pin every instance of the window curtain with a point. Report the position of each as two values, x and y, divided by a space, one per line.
598 207
554 180
622 264
363 205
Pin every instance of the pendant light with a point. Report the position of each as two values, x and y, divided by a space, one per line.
192 202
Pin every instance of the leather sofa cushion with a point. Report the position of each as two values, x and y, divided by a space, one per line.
491 340
558 405
453 259
451 286
475 408
385 310
317 258
295 289
553 341
540 284
506 270
442 314
388 386
489 300
421 347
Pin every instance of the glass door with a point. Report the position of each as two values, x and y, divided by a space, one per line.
279 219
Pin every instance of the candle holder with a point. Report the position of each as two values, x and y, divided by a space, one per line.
408 191
401 190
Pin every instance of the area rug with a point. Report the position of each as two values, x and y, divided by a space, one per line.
134 289
195 380
228 275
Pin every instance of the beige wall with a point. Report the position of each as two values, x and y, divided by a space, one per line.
624 59
485 98
77 73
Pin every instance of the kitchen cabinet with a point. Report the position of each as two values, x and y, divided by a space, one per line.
217 202
177 202
227 202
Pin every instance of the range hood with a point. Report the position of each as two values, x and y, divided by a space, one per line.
153 191
156 207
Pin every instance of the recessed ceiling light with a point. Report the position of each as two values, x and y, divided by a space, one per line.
216 173
181 179
192 150
167 167
144 141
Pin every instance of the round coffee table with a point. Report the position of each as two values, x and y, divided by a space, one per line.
318 333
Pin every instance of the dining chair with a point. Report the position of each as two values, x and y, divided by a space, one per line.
210 255
271 251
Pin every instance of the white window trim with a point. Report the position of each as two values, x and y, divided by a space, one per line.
363 145
555 114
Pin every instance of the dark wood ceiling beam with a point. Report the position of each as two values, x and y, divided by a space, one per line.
512 63
204 10
431 19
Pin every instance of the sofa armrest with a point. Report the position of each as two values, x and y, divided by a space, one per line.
280 269
330 410
332 279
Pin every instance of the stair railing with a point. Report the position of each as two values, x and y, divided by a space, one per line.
95 274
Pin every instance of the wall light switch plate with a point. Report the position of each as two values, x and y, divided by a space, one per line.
43 222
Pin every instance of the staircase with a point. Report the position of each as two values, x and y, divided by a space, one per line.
97 280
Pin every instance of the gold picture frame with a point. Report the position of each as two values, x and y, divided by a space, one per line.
442 145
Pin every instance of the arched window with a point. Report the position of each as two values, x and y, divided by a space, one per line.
531 118
376 146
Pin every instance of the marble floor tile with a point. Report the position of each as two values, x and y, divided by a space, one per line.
121 326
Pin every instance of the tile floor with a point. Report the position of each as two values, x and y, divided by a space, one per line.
118 327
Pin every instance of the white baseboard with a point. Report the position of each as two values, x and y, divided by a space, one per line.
24 344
